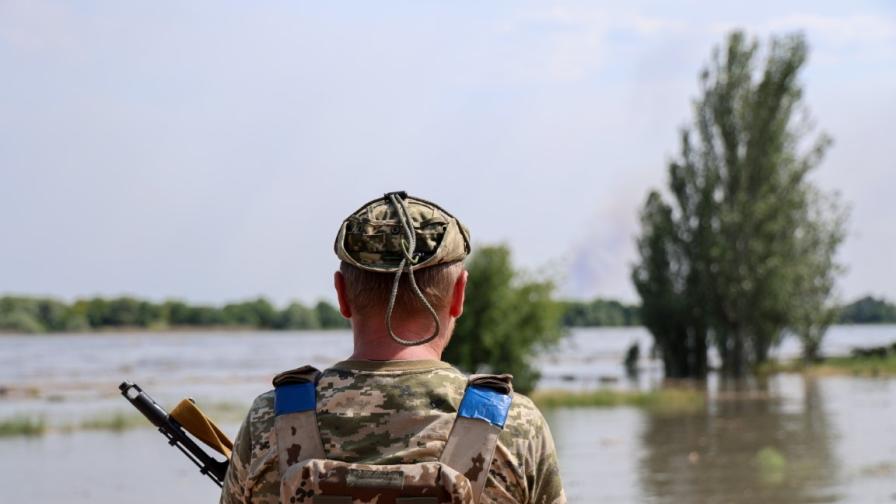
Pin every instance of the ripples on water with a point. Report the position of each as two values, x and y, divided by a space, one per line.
788 440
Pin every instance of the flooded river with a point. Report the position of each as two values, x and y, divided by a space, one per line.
790 439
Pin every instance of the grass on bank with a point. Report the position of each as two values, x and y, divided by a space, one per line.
220 412
113 421
669 399
832 366
22 426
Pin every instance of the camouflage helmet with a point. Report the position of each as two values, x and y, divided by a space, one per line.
400 234
373 238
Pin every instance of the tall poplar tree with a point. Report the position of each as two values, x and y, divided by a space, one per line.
745 248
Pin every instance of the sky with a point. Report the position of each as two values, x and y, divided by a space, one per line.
209 150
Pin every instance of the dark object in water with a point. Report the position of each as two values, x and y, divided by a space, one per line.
632 355
880 352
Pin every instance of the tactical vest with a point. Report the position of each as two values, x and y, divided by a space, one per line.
458 477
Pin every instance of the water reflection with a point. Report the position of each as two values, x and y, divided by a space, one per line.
788 440
753 442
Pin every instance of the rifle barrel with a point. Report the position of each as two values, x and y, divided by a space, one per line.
172 430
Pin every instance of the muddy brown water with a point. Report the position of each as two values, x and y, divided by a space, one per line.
790 439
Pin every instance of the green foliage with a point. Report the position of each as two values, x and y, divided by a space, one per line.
37 315
116 421
298 316
672 310
868 310
862 361
771 465
20 321
610 313
862 366
329 316
599 312
255 313
22 426
746 247
667 399
506 319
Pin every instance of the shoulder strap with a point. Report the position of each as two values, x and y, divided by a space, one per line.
480 419
295 425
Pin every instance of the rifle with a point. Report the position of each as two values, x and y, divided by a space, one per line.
176 434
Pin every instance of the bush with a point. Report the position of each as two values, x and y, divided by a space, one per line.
507 318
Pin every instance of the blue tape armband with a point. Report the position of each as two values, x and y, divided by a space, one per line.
294 398
485 404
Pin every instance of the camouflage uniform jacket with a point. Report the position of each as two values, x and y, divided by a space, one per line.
397 412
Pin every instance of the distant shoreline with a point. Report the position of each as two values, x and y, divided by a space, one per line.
113 330
186 329
43 315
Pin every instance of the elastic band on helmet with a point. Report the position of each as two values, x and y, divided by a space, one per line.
408 249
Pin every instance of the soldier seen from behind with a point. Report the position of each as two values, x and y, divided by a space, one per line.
393 423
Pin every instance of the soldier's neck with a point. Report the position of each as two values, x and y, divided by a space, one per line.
372 342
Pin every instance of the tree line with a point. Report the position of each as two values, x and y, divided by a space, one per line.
599 312
37 315
868 310
611 313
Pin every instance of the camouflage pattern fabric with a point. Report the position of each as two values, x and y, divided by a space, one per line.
397 412
336 481
371 238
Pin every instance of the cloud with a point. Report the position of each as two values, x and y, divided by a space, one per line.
834 40
840 30
575 41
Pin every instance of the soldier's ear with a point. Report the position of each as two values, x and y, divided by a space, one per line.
342 295
457 297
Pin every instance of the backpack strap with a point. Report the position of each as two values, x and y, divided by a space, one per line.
295 424
480 419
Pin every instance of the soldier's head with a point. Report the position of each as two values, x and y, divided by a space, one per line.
402 268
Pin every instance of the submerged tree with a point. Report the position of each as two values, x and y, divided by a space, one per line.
663 279
746 248
812 310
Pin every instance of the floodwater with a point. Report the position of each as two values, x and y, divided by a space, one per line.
790 439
